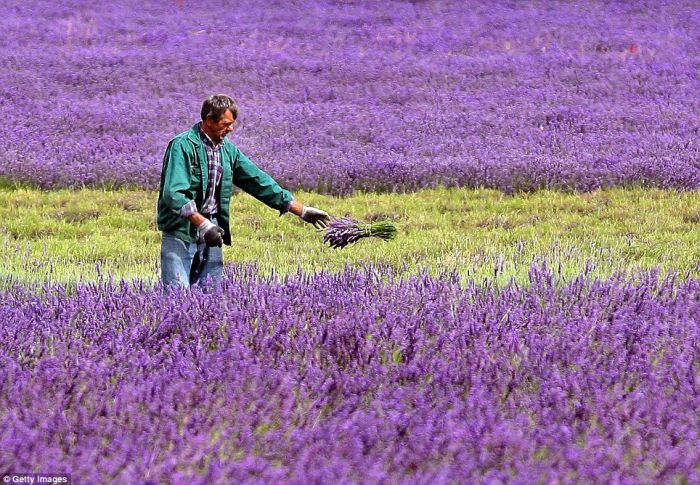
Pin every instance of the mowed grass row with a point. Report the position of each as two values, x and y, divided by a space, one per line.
71 236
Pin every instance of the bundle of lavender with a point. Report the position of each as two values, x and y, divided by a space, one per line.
344 230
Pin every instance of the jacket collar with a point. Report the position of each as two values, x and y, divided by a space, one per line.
193 136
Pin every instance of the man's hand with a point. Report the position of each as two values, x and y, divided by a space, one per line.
318 218
212 234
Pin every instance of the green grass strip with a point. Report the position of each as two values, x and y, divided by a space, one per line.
70 236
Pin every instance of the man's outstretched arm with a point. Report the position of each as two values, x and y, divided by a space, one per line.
260 185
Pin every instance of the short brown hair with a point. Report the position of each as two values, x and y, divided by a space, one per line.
216 105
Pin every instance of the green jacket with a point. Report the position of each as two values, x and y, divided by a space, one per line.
184 177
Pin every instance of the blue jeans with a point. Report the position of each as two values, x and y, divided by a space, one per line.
185 264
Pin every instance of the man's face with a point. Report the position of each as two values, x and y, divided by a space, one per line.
217 130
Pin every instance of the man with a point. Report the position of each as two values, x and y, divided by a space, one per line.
200 167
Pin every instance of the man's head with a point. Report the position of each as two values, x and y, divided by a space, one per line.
219 113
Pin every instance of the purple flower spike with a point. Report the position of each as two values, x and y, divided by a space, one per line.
345 230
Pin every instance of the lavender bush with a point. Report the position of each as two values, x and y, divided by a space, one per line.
360 376
345 96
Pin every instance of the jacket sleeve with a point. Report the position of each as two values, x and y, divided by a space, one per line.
177 190
259 184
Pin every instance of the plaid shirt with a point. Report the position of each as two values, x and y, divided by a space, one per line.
210 205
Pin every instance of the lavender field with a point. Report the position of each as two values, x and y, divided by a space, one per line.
346 96
381 379
542 369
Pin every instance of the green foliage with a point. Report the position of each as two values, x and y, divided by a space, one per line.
69 236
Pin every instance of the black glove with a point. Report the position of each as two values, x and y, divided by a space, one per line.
214 237
212 234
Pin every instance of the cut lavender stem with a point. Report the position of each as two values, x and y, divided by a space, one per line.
345 230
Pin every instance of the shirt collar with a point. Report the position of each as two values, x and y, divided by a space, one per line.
205 138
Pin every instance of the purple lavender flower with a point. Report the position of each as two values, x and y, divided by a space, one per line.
368 372
345 230
515 96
